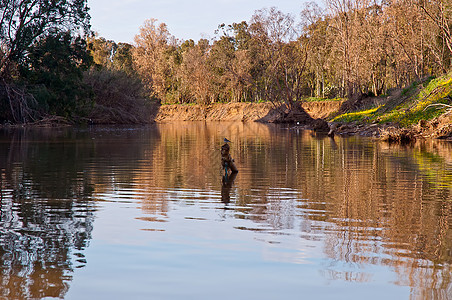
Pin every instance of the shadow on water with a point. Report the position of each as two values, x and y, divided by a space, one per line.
47 210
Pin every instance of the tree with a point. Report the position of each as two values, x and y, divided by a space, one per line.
195 73
111 55
149 56
122 59
439 11
231 61
53 72
439 39
281 57
101 50
316 31
23 22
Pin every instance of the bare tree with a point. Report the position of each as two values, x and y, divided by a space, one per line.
195 73
440 12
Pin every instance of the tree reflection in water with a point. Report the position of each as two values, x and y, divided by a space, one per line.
367 203
45 219
371 203
48 178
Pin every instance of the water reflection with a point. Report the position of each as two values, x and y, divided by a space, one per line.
370 203
351 203
47 181
228 181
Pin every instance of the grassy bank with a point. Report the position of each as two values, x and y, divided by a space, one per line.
421 101
421 109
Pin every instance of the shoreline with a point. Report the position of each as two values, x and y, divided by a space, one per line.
438 128
245 112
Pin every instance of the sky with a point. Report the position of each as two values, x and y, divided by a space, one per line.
120 20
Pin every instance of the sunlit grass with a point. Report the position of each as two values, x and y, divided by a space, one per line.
417 107
357 116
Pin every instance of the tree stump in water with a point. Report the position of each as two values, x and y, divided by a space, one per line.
226 160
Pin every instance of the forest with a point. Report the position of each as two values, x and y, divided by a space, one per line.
52 64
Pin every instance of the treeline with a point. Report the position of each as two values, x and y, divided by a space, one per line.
51 64
41 59
48 72
350 48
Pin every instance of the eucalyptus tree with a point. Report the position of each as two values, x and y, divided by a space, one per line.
102 50
317 32
241 70
439 39
150 56
231 62
111 55
196 75
440 12
281 57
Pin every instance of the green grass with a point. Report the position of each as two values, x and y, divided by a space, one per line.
417 106
357 116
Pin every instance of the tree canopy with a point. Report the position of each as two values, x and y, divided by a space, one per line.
24 22
346 49
50 59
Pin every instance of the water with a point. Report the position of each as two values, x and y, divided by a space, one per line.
144 213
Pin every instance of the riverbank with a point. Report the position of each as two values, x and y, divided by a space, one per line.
421 110
437 128
244 112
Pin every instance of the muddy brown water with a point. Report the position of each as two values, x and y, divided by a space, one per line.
145 213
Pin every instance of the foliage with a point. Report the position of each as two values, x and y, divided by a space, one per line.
42 58
348 49
24 22
150 57
119 98
111 55
53 72
345 50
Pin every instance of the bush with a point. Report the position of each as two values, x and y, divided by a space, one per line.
118 98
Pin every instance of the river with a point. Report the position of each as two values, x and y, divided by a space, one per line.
145 213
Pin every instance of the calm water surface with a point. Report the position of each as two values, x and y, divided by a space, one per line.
144 213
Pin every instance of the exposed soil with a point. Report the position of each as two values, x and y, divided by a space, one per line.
263 112
310 116
215 112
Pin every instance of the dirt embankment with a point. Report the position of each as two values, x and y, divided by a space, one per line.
214 112
322 109
438 128
238 111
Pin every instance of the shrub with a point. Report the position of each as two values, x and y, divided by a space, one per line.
119 98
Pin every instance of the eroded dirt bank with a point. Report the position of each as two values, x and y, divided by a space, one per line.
438 128
238 111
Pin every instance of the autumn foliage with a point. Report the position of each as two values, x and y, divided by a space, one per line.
346 48
352 47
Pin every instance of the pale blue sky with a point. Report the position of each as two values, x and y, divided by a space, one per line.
119 20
